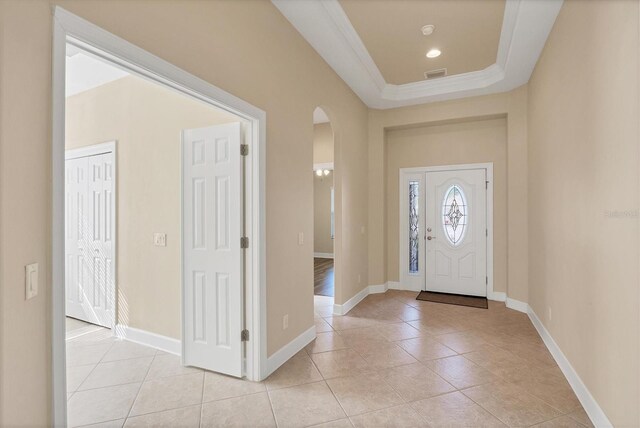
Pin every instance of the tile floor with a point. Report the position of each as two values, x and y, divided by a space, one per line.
392 361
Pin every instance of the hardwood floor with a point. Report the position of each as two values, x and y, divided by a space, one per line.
323 277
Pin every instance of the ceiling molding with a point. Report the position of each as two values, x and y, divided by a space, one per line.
324 24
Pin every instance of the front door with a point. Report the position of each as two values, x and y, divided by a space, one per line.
212 193
456 232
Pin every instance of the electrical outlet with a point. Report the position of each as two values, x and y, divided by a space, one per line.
285 322
359 278
300 238
31 281
160 239
549 313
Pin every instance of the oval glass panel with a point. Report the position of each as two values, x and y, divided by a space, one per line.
454 215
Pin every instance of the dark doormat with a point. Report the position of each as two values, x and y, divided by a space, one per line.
454 299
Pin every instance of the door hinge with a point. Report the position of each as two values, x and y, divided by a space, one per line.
244 149
244 335
486 280
244 242
486 184
486 232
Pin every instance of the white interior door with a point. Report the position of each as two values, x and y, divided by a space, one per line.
89 244
212 255
456 232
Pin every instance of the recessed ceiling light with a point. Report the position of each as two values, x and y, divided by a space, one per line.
427 30
433 53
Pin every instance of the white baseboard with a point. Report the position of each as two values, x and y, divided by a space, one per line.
395 285
143 337
349 304
323 255
594 411
497 296
376 289
283 354
517 305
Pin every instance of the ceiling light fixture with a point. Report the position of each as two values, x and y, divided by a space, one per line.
428 29
433 53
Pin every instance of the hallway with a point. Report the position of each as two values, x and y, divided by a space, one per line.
323 277
392 361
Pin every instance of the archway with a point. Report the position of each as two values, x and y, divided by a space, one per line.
324 209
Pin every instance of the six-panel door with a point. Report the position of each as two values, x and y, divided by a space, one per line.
212 254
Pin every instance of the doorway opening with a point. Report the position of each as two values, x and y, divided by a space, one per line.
324 224
118 216
446 229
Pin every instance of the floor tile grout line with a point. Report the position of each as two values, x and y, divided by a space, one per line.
496 416
273 411
140 388
103 422
161 411
335 397
204 381
92 370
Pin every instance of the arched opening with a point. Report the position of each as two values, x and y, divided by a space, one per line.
324 211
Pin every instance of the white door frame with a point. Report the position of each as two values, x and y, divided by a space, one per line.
94 150
403 234
69 28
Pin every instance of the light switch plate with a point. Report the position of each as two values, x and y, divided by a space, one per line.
300 238
31 281
160 239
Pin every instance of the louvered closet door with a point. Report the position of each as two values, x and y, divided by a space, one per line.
212 257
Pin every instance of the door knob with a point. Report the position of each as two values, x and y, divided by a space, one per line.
429 238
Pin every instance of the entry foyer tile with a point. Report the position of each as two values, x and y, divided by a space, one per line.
169 393
101 405
305 405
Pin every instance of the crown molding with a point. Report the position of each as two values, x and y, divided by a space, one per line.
324 24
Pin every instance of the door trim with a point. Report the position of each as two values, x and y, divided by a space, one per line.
94 150
402 236
68 27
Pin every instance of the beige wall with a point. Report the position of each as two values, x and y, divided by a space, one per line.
146 120
211 40
322 143
25 212
583 169
450 144
435 121
322 240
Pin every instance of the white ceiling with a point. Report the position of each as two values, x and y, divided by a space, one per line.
324 24
85 72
